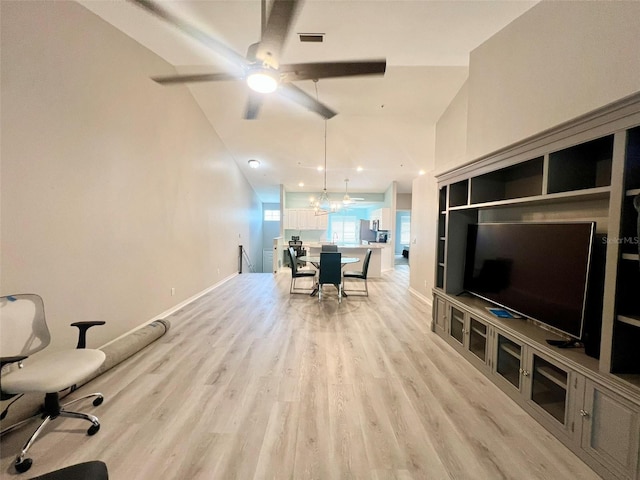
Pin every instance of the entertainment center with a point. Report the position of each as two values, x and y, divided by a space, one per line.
573 190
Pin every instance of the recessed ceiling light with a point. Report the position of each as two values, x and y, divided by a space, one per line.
253 163
320 168
421 172
359 169
301 184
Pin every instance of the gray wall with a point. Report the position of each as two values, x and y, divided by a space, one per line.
114 189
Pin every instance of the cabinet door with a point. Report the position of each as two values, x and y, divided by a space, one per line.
611 430
439 321
477 333
291 219
457 320
507 361
303 219
548 391
321 221
385 219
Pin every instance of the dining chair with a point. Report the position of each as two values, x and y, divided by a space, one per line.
359 275
24 333
296 273
330 272
329 248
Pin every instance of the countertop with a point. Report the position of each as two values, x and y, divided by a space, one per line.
348 246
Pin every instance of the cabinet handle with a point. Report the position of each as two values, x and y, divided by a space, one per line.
584 413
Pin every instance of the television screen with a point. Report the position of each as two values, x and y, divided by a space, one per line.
539 270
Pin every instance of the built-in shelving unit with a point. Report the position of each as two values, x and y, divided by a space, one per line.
442 236
585 170
626 333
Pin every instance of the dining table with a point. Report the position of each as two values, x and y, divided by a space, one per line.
315 261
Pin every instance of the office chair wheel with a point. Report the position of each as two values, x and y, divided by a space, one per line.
24 465
98 401
93 429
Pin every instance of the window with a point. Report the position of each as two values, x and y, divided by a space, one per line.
272 215
405 230
344 228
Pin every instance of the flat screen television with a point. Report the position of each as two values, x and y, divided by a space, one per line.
539 270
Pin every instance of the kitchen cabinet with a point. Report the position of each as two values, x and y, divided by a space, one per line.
383 216
304 219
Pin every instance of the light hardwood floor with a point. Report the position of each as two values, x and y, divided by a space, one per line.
251 382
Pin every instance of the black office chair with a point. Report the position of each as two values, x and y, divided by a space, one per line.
329 248
95 470
330 272
362 275
25 332
299 251
295 273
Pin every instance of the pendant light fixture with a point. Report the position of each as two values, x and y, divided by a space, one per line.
322 205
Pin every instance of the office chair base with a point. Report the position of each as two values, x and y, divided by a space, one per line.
50 411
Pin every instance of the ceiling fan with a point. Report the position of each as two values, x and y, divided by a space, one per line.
347 199
261 68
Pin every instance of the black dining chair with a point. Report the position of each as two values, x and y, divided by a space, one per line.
329 248
296 273
359 275
330 272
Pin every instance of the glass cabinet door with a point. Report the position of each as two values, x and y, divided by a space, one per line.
549 388
457 325
478 339
508 361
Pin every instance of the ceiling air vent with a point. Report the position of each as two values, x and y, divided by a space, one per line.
311 37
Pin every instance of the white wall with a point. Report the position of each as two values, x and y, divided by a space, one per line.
424 223
114 189
451 133
557 61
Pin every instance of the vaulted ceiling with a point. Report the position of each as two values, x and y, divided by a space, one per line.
385 125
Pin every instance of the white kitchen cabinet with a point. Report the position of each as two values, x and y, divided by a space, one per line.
304 219
383 216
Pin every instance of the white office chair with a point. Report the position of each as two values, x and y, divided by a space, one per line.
25 332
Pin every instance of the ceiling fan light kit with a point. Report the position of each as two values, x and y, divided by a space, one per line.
263 80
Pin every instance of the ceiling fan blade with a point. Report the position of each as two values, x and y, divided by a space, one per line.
204 77
315 71
202 37
275 31
290 91
254 102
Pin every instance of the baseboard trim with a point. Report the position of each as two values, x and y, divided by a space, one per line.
173 309
425 299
